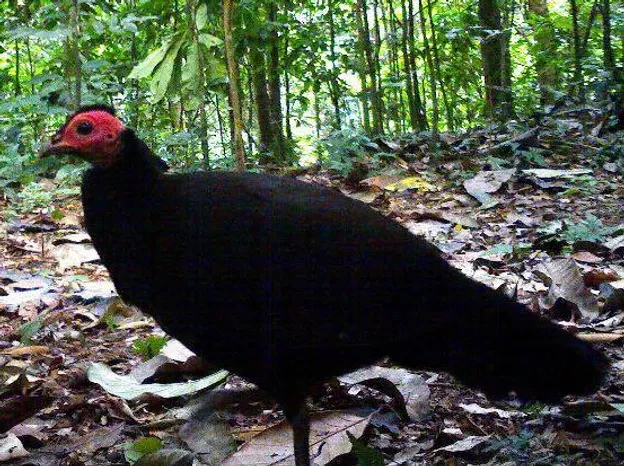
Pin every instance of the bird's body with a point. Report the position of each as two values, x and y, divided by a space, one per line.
288 284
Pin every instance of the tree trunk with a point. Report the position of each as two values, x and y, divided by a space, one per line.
494 54
377 64
233 86
221 129
607 49
409 86
76 62
263 104
317 109
578 84
432 80
289 134
17 86
364 33
273 71
250 109
333 84
545 48
361 69
421 105
436 62
389 22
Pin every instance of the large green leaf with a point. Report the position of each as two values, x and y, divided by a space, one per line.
191 74
209 41
201 17
216 73
164 73
147 66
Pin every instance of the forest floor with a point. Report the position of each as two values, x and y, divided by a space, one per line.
552 236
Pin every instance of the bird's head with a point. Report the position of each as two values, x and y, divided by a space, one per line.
93 133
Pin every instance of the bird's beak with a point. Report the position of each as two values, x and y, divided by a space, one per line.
55 149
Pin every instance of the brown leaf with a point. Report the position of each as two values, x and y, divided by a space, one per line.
26 351
328 439
595 277
485 183
566 283
586 256
600 337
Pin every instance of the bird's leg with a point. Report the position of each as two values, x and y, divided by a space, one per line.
299 420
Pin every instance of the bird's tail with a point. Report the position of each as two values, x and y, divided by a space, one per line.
493 343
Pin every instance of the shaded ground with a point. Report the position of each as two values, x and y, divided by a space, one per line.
555 239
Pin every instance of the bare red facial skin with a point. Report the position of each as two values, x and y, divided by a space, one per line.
93 135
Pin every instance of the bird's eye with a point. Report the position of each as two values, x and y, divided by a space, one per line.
84 128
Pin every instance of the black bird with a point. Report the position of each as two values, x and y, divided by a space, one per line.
289 284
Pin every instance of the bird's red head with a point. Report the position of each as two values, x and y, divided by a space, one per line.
93 133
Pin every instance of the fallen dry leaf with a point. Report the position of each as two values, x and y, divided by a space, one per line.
328 439
26 351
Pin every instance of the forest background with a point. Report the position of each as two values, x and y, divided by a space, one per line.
283 82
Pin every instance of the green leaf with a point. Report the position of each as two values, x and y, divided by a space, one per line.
209 41
191 73
30 329
146 67
201 17
149 347
366 456
164 73
141 447
167 457
216 73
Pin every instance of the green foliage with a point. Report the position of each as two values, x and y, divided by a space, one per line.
366 456
149 346
28 330
160 62
341 149
589 229
533 158
34 197
134 451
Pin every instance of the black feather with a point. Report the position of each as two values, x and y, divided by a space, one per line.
289 284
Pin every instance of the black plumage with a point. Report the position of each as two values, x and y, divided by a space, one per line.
288 284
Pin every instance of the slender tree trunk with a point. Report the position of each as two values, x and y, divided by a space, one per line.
409 85
233 88
76 60
333 84
393 44
377 63
273 71
17 86
544 49
377 103
288 117
263 103
578 71
361 68
136 90
421 105
590 24
436 61
432 80
220 124
317 109
289 134
508 19
607 49
191 8
250 107
493 55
